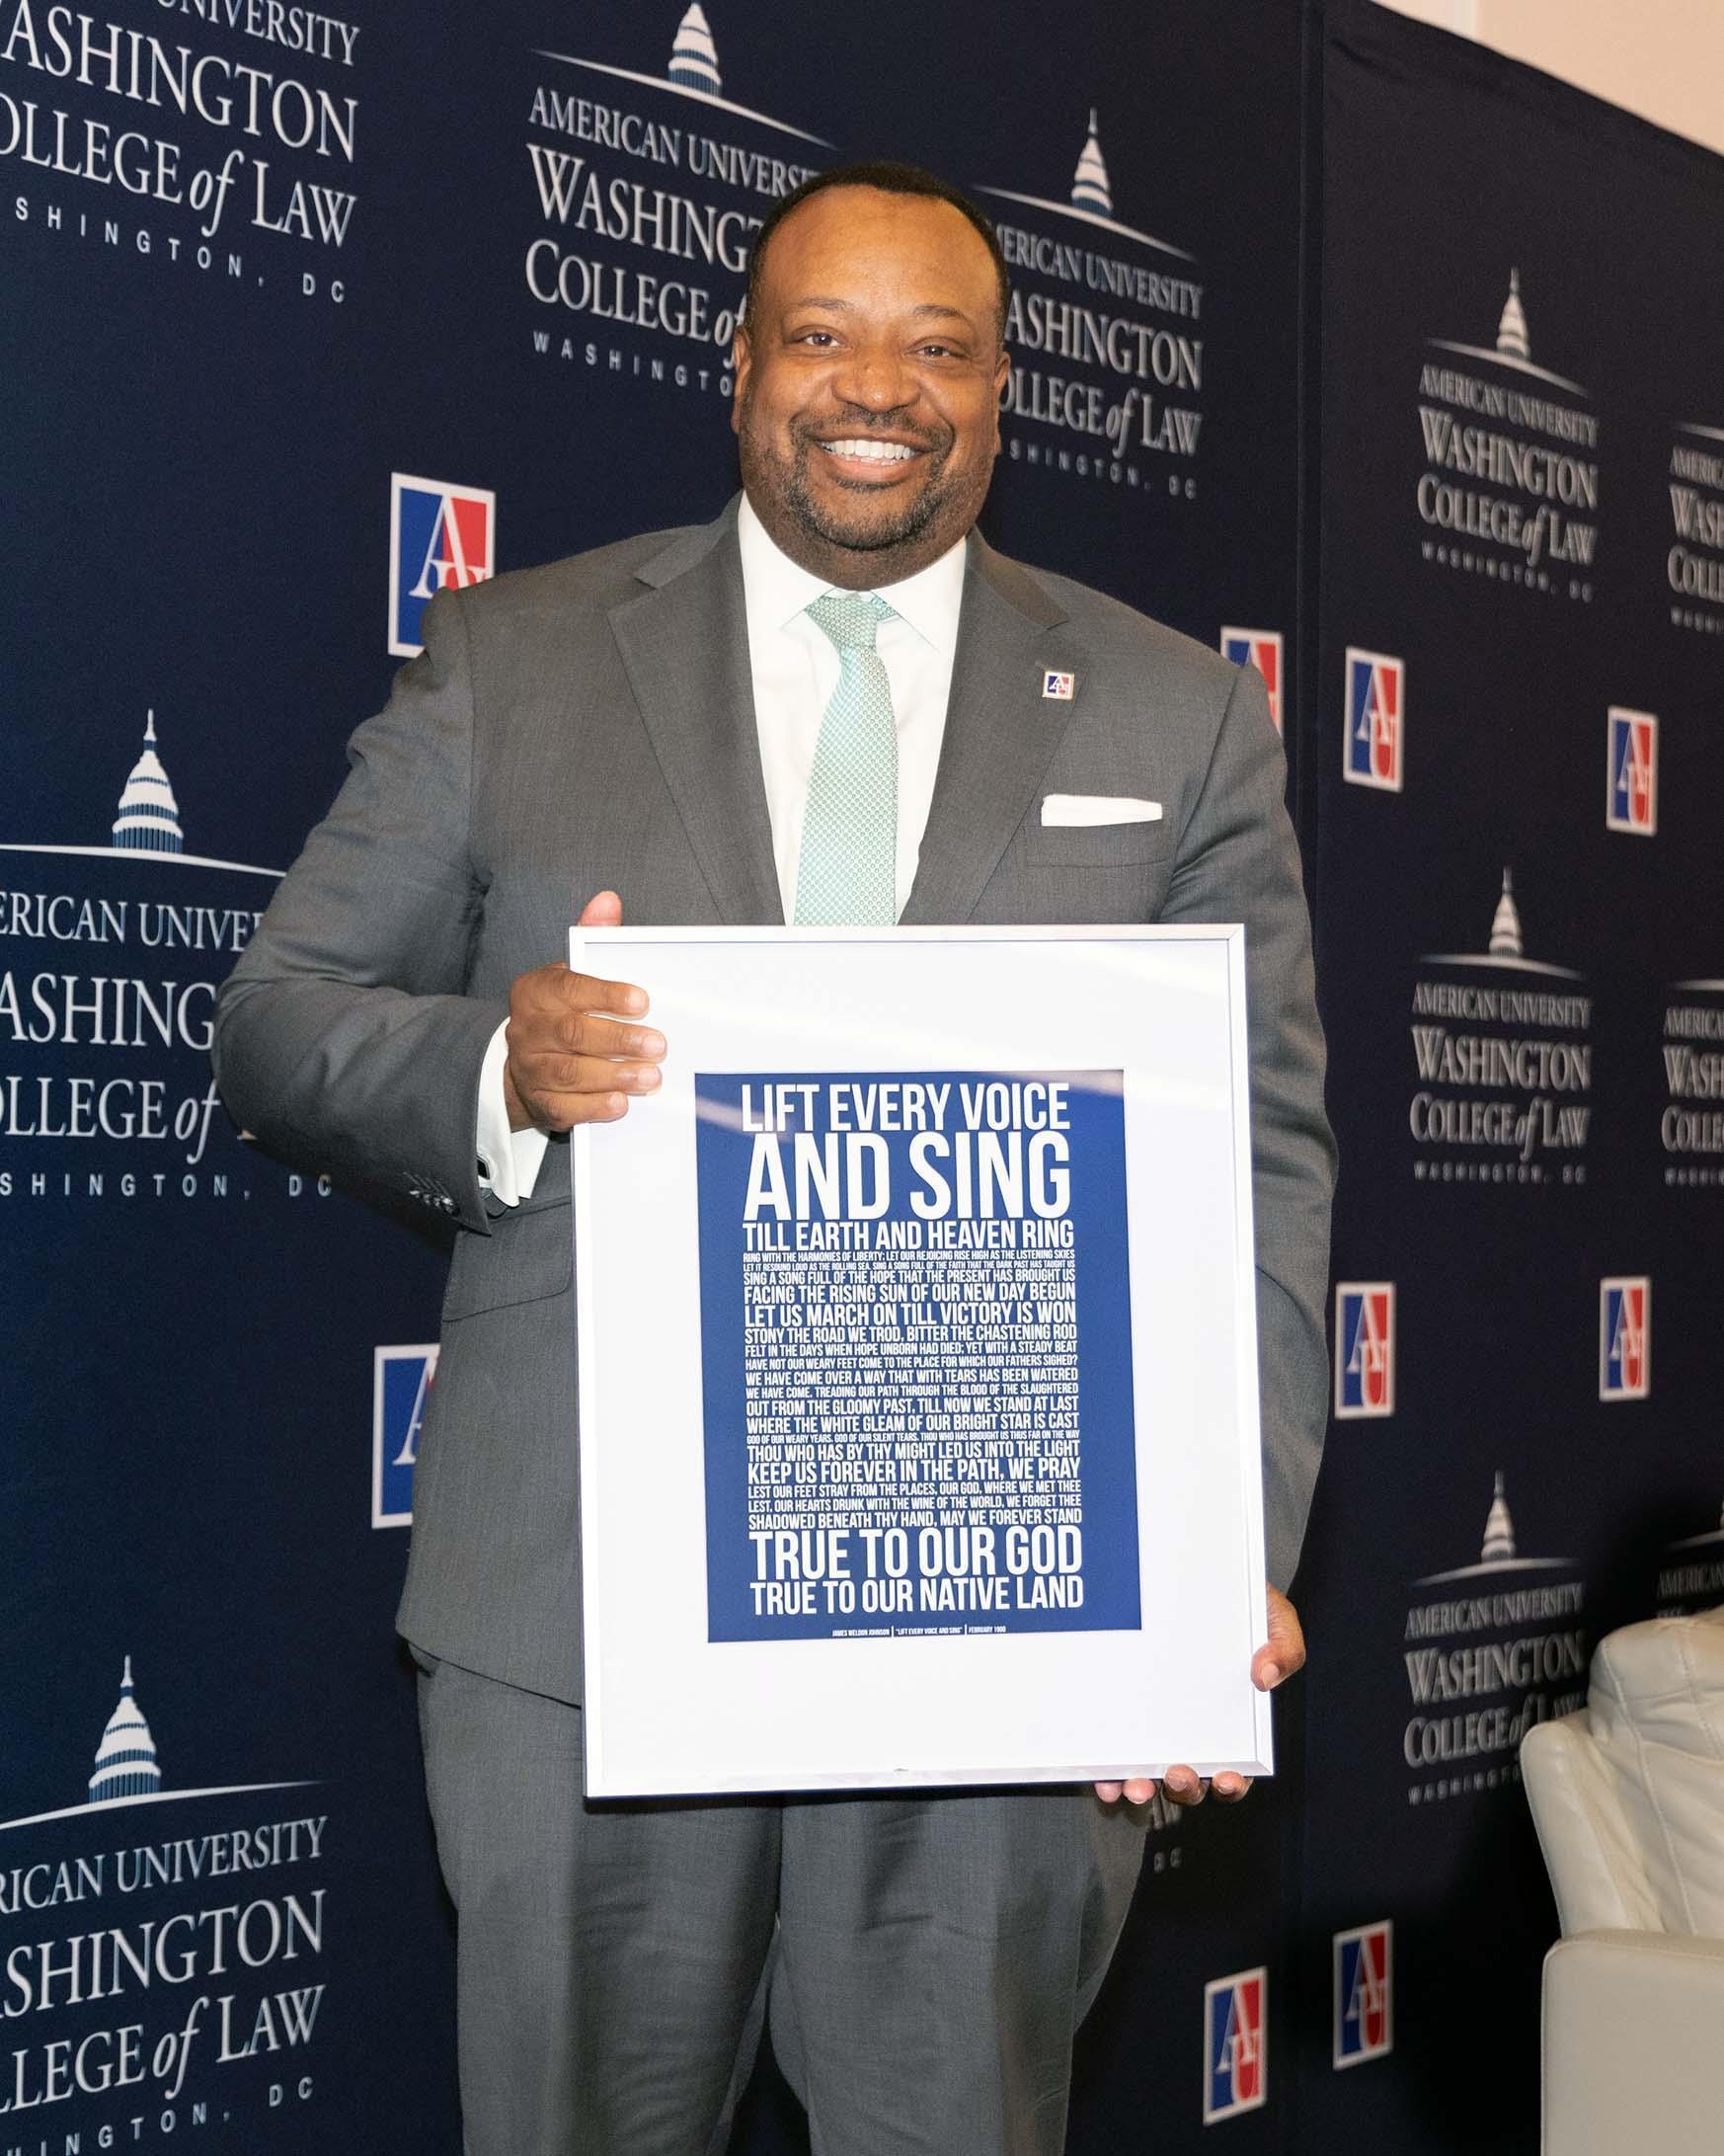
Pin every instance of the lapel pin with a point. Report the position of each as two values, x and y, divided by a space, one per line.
1059 686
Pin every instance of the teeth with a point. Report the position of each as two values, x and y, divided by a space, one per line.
875 453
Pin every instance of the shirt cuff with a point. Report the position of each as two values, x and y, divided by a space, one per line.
508 1160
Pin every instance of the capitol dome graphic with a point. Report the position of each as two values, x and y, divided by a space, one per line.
1499 1534
1506 925
1511 338
1090 185
149 817
694 56
125 1759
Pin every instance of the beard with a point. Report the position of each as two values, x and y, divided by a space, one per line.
874 526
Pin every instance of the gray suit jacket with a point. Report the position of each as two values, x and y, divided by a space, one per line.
590 724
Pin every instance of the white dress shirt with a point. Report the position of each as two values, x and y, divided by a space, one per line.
794 666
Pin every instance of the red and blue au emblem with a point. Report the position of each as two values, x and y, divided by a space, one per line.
1236 2062
401 1383
1375 748
438 534
1631 803
1259 648
1363 1994
1365 1348
1626 1338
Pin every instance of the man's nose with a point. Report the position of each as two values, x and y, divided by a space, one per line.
876 377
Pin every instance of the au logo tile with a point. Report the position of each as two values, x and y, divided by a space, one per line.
1626 1338
401 1383
1262 649
1375 747
1235 2058
440 534
1365 1348
1631 802
1363 1994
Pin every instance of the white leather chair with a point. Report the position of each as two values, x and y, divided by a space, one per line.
1628 1799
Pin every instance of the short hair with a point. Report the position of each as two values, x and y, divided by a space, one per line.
890 177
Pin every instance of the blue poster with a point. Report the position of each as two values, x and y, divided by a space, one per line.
916 1354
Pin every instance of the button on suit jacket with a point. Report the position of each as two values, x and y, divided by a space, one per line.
590 725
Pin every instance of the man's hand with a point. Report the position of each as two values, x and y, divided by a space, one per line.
574 1056
1279 1657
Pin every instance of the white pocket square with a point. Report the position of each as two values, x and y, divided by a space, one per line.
1082 811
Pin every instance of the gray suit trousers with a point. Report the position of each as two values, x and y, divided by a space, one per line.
931 1960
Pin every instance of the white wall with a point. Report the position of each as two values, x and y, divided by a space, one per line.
1661 58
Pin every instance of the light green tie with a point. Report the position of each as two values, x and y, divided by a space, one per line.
848 870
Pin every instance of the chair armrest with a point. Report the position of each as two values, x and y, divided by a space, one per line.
1632 2058
1596 1865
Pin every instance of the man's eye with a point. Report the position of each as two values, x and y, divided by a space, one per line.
940 352
816 337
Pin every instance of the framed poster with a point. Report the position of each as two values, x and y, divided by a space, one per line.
918 1363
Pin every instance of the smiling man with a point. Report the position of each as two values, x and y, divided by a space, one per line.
826 706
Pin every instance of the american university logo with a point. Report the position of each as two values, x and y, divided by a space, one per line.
1363 1994
1372 745
649 213
118 938
1631 773
1488 1649
401 1385
1690 1125
1259 648
1235 2059
1111 387
1626 1338
1511 485
142 1885
1503 1063
1365 1348
439 535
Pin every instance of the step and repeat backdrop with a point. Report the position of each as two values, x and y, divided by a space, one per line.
313 312
1519 755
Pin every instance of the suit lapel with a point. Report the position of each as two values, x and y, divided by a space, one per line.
684 642
1000 734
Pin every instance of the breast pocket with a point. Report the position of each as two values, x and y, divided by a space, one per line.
524 1259
1098 845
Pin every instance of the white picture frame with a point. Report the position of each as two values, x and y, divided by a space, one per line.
1151 1021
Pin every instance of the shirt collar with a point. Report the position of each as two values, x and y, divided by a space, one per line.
776 588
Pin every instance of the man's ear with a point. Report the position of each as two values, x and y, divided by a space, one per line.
742 361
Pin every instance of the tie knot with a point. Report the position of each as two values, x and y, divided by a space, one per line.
849 618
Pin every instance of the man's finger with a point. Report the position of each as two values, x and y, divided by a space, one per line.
585 1033
1139 1791
562 1111
602 911
590 992
1284 1652
553 1076
1227 1789
1182 1785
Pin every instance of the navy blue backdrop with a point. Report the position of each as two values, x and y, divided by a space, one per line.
1519 771
312 311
